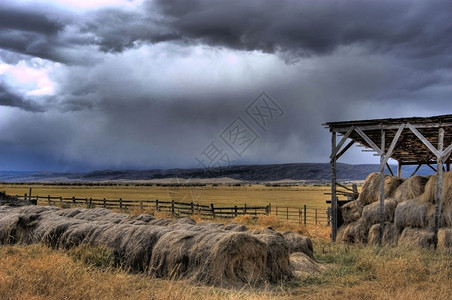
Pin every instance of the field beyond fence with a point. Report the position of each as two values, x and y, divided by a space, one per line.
302 215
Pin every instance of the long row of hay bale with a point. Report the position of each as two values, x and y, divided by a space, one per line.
204 253
409 212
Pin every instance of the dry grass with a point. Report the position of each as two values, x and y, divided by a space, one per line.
356 272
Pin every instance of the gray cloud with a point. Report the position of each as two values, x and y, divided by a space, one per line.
152 86
8 98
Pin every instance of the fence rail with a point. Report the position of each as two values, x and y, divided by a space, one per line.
301 215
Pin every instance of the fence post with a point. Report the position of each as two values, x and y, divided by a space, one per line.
299 216
287 213
48 199
141 204
120 203
276 211
172 207
29 195
157 205
316 216
235 210
244 209
73 200
105 203
213 210
90 202
25 197
304 215
192 205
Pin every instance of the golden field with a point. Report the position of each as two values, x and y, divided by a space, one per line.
221 195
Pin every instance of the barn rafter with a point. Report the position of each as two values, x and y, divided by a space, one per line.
409 141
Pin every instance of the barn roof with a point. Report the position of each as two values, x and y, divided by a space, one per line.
410 147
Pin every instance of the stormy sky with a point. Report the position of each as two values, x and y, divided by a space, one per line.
136 84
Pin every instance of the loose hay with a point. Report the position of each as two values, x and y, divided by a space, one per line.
205 253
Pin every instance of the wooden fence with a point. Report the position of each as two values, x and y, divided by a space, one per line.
304 215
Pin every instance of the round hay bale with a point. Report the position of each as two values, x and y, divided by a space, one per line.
411 188
415 237
351 211
445 239
355 232
371 188
430 189
304 265
415 214
235 227
227 258
371 212
299 243
390 235
278 255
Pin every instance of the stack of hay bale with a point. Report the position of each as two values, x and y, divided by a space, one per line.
409 212
206 253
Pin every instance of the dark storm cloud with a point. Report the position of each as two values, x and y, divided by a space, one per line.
8 98
152 86
313 27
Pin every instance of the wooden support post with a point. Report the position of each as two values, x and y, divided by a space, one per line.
399 168
439 188
382 188
333 190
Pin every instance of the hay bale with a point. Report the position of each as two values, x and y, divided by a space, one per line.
352 211
304 265
414 237
210 259
355 232
411 188
371 212
415 214
430 189
278 255
173 249
299 243
445 239
235 227
371 188
390 234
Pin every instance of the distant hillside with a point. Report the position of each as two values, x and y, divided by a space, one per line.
312 172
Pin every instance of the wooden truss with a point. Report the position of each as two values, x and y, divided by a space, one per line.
409 141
